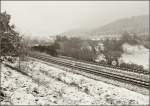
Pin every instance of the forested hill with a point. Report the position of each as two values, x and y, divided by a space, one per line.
135 24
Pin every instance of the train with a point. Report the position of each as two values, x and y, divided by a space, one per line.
114 63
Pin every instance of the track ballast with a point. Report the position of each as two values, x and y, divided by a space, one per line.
92 70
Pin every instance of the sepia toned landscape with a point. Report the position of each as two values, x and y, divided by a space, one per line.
74 53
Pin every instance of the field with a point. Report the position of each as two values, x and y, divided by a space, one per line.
49 85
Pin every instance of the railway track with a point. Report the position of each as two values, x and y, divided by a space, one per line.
108 66
92 70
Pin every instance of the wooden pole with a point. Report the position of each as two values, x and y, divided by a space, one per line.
0 52
19 54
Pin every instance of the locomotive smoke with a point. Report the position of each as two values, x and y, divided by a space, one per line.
136 54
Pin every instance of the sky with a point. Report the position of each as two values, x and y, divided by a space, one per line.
48 18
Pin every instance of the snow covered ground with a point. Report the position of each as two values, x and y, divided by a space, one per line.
50 85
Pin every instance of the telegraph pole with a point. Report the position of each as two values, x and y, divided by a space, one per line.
0 49
0 57
1 33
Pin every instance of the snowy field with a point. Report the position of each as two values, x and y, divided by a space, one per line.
53 86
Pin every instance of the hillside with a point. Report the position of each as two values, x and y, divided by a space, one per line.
48 85
135 24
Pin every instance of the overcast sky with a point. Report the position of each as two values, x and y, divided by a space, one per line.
52 17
